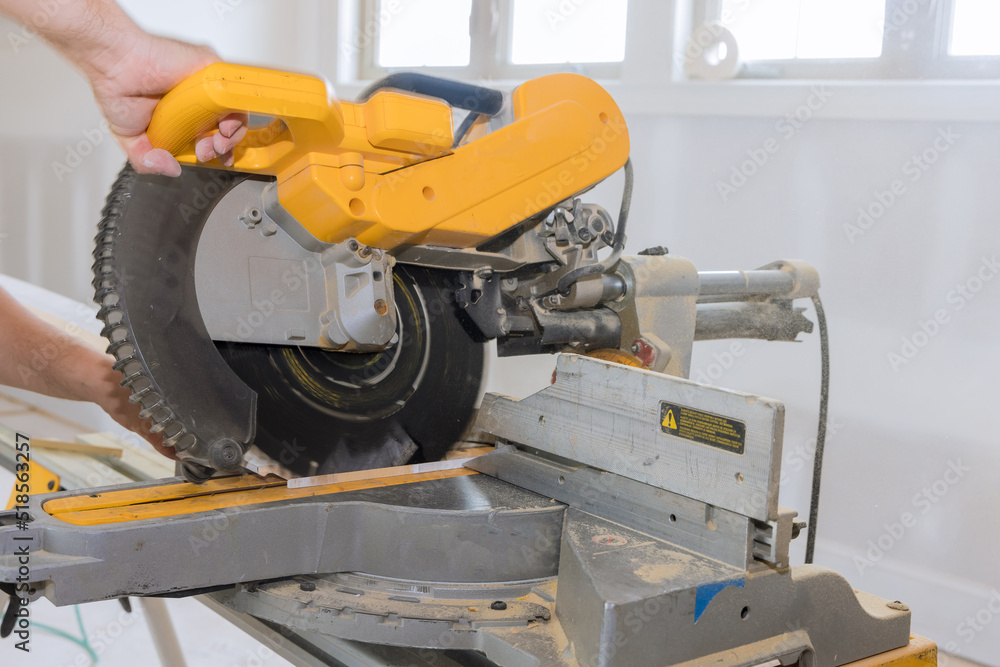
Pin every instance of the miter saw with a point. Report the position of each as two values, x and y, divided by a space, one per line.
335 286
327 299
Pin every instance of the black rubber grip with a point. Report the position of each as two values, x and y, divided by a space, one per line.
458 94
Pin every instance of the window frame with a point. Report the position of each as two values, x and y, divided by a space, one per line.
653 83
913 47
492 30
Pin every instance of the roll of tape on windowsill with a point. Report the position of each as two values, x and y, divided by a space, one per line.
702 59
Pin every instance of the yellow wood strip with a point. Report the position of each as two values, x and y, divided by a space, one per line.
76 447
160 493
469 453
921 652
205 503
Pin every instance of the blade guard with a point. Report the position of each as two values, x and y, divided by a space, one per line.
384 171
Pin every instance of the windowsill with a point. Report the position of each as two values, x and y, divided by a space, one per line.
882 100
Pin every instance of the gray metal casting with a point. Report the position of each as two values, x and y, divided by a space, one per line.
467 529
608 416
257 283
584 560
717 533
624 598
627 599
658 309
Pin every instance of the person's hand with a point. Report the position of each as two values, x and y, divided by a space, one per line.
82 373
129 87
108 393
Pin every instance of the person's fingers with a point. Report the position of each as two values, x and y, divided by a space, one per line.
231 123
141 427
148 160
157 442
225 144
204 149
159 161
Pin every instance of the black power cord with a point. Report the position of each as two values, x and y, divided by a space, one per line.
824 401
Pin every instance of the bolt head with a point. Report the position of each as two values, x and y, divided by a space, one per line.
225 454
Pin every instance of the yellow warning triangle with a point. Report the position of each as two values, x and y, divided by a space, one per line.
669 420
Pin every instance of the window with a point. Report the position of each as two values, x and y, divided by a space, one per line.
974 28
784 29
493 39
420 33
888 39
546 32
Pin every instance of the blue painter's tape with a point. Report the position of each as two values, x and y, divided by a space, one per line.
706 592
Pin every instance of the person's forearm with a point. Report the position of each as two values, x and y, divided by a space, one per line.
93 34
129 71
39 357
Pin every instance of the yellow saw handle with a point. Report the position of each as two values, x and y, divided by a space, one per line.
302 105
384 170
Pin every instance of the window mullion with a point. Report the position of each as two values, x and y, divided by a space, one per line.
942 38
912 36
705 11
484 26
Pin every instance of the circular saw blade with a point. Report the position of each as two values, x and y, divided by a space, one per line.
309 409
320 412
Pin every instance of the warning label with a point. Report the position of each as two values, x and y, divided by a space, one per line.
703 427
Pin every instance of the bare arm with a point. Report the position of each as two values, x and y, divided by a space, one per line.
37 356
129 71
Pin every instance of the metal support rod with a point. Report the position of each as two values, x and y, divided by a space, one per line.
162 629
760 282
763 321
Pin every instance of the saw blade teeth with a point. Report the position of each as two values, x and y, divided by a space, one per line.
106 284
129 367
103 287
122 351
114 317
140 393
173 435
130 377
159 415
182 441
114 332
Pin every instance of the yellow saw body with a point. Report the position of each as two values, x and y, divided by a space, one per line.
384 171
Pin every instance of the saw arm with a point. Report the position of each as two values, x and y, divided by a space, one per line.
384 171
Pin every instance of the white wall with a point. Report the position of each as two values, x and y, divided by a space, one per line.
894 432
57 160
